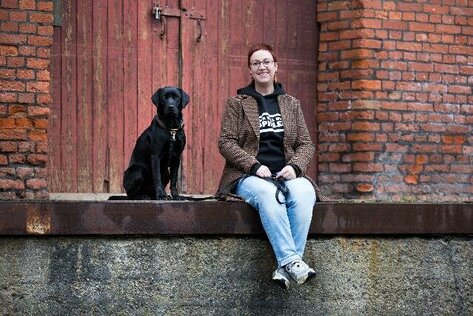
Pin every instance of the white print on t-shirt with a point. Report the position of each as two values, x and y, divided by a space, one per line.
270 123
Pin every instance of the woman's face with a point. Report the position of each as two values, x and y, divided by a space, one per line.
262 67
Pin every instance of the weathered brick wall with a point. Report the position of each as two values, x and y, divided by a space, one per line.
26 33
395 99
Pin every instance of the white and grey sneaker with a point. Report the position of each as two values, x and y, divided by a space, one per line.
299 271
281 277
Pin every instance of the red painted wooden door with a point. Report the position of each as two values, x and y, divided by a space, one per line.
110 56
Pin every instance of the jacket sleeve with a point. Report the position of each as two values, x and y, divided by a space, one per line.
303 146
230 134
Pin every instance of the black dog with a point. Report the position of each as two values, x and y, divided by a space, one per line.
157 154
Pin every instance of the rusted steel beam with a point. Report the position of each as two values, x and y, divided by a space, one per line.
224 218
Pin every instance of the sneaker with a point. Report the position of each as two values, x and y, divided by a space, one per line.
299 271
281 277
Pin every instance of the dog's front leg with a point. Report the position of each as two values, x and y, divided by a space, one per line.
158 183
173 170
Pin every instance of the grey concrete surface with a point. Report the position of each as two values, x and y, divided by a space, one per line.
231 276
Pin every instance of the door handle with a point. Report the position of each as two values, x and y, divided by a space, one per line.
199 25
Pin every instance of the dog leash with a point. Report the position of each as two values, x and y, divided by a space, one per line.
280 186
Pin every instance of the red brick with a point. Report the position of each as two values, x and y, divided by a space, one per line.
366 84
27 50
7 184
18 16
329 157
23 123
8 147
327 16
36 184
365 126
409 46
15 62
9 27
37 159
44 52
364 137
3 161
40 40
368 167
364 187
40 123
36 63
6 50
46 18
339 167
26 98
37 135
411 179
394 25
38 86
367 147
11 4
7 73
12 85
426 67
28 28
17 159
24 172
339 147
364 156
27 4
358 54
45 6
8 97
421 27
44 99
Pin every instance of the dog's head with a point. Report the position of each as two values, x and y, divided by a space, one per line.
170 101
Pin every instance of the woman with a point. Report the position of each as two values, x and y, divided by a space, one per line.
267 148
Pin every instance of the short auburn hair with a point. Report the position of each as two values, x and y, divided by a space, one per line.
261 46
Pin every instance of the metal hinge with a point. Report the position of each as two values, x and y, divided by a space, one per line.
160 13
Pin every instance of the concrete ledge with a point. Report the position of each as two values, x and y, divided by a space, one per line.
224 218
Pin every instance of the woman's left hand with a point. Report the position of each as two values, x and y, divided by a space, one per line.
287 173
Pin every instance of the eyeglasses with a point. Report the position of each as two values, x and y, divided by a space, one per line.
255 64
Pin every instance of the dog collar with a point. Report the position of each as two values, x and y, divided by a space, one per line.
171 131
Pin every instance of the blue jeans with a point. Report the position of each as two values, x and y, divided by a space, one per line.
286 225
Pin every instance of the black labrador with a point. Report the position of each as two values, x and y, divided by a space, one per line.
157 154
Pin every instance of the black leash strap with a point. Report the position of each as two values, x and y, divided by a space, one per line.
280 186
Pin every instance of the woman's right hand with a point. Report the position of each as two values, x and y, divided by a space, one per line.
263 172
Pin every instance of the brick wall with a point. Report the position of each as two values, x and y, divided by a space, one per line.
25 39
395 104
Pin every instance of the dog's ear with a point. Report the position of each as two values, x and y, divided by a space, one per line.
155 97
184 98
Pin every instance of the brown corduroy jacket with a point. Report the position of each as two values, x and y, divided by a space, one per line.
240 135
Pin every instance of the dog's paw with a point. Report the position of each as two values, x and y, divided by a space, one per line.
177 197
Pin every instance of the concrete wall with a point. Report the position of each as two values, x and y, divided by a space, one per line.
231 276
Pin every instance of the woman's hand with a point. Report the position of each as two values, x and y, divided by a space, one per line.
263 172
287 173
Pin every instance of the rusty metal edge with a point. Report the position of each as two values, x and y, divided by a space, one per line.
52 218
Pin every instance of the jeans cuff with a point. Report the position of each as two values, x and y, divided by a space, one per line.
287 260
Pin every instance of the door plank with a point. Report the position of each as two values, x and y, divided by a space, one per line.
99 82
115 95
84 97
69 105
130 107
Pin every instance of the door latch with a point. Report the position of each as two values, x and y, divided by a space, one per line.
157 12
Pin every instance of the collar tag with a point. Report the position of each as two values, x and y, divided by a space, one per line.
173 134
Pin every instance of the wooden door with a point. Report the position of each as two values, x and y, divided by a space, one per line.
105 71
